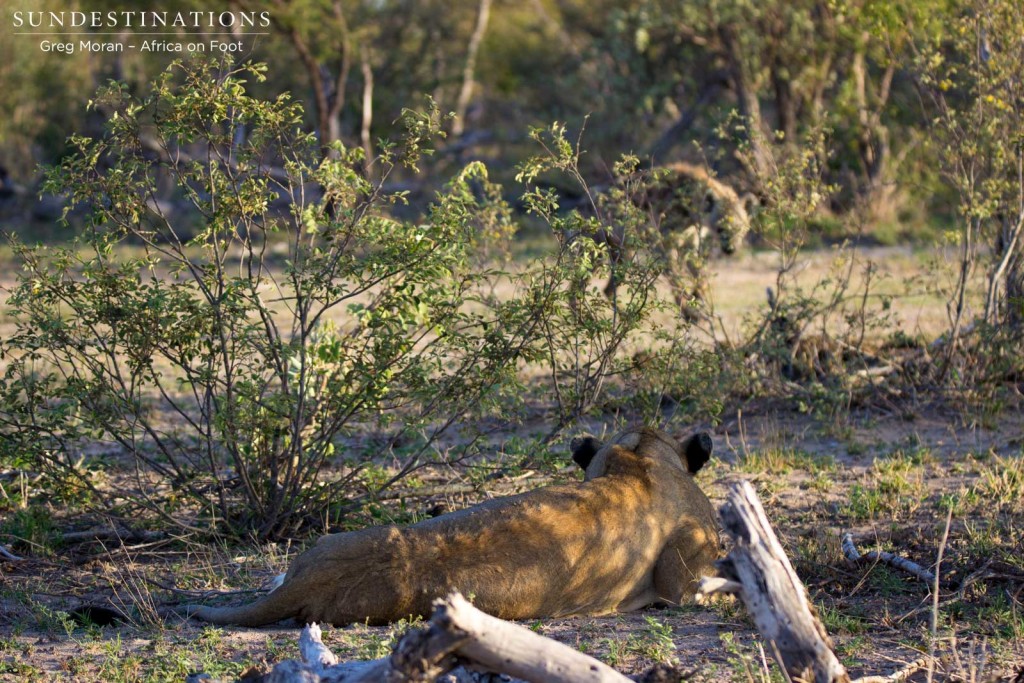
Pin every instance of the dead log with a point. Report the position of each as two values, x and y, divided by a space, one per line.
457 634
508 648
774 595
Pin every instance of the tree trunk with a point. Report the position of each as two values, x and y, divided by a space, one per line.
468 73
364 134
878 193
750 107
785 103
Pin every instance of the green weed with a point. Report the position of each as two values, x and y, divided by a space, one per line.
654 642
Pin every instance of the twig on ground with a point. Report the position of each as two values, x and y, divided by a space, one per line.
849 549
107 533
709 585
8 555
935 597
910 567
314 653
899 675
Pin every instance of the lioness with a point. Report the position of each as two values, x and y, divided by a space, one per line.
636 531
694 215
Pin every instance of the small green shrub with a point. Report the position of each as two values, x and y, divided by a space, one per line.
230 354
230 358
654 642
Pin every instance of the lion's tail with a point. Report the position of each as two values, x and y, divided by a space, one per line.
279 604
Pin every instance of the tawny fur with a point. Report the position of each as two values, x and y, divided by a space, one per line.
695 214
637 531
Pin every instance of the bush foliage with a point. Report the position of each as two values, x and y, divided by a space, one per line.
230 357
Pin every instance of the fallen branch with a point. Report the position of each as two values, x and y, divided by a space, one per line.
897 676
891 559
456 634
106 533
773 594
517 651
850 549
709 585
8 555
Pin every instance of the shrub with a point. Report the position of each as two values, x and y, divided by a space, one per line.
229 358
970 77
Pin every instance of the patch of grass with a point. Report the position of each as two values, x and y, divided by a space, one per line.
960 502
837 621
615 653
983 537
16 667
654 642
851 649
748 663
368 643
32 530
51 620
783 460
822 482
865 503
180 657
897 487
888 582
1001 618
914 454
731 610
817 551
1002 481
15 658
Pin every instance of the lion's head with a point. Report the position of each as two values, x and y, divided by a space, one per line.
591 454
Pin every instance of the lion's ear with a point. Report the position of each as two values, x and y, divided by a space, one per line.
697 451
584 448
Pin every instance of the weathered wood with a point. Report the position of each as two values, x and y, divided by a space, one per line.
891 559
420 655
774 595
457 633
313 651
709 585
850 549
511 649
